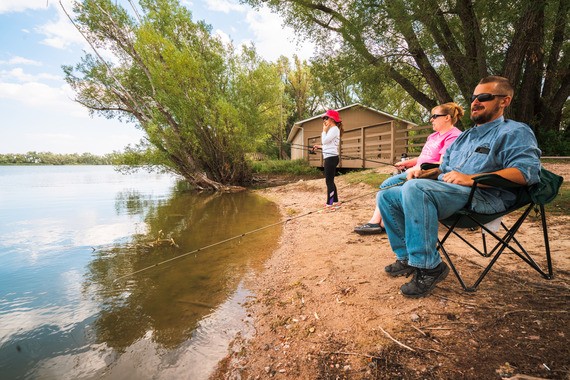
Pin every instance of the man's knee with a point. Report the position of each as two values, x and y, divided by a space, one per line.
387 196
413 187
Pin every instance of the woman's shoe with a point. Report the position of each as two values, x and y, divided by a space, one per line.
369 229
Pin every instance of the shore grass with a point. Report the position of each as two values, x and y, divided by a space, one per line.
294 167
561 204
366 176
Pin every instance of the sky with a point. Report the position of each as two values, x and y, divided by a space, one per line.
37 110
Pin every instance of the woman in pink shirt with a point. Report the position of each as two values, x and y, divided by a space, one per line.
443 120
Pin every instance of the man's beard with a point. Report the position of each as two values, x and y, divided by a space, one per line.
485 116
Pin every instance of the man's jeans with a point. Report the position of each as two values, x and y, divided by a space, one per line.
411 213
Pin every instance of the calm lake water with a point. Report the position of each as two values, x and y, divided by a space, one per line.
68 232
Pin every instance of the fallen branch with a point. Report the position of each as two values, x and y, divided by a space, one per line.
423 333
534 311
427 336
461 302
447 323
353 354
401 344
436 351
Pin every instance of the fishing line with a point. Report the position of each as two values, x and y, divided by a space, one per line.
246 233
310 148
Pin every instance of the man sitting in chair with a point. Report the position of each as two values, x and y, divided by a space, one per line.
411 211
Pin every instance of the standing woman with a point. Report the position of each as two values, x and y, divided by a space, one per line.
330 138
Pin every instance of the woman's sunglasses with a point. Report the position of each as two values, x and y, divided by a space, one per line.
435 116
325 117
485 97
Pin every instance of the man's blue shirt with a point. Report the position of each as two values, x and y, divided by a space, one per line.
493 146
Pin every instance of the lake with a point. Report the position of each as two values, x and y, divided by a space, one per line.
71 238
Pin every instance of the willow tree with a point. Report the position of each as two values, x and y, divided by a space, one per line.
192 95
437 50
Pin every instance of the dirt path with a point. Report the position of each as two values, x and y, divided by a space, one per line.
325 309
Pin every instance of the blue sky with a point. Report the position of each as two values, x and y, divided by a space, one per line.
37 111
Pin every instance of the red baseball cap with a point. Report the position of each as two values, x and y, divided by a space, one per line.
333 115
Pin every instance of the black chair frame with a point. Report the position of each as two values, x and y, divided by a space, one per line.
466 218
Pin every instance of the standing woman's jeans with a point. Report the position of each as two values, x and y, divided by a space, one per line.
330 171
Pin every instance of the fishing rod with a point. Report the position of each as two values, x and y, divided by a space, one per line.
246 233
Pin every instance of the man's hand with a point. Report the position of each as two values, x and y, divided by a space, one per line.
410 174
424 174
458 178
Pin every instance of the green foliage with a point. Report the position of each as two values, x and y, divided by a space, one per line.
190 93
437 51
48 158
295 167
270 148
554 143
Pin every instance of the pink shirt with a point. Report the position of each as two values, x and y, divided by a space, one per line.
436 145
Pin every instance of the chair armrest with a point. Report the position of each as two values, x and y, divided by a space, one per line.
493 180
429 165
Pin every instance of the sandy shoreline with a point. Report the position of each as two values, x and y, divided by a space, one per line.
324 308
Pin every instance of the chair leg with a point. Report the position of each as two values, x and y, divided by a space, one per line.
546 243
440 247
502 244
505 244
484 254
523 254
459 278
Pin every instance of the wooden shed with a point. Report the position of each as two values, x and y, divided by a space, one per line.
369 135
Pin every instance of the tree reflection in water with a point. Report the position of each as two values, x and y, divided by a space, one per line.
169 301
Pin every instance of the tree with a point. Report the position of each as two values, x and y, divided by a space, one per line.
301 96
437 50
334 74
192 95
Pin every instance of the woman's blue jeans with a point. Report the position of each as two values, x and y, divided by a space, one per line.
411 213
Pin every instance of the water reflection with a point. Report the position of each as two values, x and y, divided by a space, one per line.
63 316
171 300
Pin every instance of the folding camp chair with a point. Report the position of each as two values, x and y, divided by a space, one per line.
530 197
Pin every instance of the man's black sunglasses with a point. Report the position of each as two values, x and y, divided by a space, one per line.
485 97
435 116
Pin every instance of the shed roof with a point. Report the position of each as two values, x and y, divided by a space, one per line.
296 126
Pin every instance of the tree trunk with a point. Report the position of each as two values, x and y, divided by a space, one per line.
528 97
518 48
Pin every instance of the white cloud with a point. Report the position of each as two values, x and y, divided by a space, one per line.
61 34
226 39
273 40
225 6
7 6
19 75
41 96
20 61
